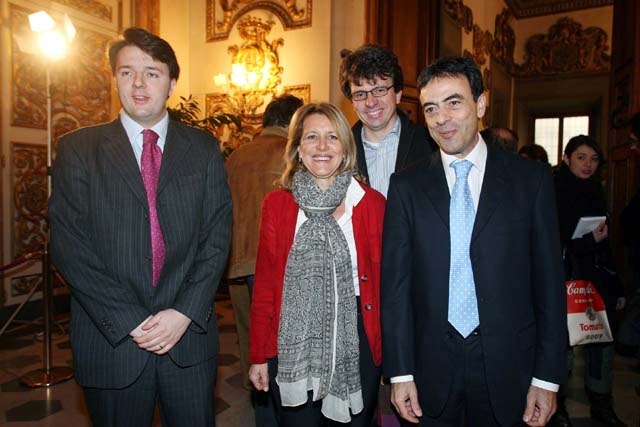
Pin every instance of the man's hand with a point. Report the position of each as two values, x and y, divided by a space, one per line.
404 397
259 376
541 405
162 331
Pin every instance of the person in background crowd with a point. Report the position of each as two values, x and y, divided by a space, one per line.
534 152
315 318
579 193
504 138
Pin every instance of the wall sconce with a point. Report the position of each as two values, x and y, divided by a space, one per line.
255 68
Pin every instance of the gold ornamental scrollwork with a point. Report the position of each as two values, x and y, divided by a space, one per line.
566 48
90 7
460 13
302 92
255 67
290 15
29 167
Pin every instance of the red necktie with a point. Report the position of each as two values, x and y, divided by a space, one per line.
150 162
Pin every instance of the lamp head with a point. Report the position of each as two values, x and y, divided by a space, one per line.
53 43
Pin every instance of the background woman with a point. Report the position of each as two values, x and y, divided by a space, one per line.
315 320
579 193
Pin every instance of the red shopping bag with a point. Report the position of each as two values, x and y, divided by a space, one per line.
586 315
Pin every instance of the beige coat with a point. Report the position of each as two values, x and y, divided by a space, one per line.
252 170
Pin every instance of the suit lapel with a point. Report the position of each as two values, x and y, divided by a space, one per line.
493 190
435 185
406 138
360 157
175 148
118 151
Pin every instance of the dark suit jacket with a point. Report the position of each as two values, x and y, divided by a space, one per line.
517 265
413 148
100 241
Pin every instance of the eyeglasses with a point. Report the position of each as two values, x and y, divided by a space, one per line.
377 92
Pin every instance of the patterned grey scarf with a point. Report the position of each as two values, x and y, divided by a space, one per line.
318 335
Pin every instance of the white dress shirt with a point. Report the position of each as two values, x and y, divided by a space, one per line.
134 132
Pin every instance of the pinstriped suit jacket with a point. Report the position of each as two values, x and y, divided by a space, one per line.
100 241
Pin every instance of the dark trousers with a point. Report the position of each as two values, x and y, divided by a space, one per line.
309 415
185 397
468 403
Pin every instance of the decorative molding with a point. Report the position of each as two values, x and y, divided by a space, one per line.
504 39
461 14
80 86
90 7
566 48
482 45
530 8
29 182
301 91
219 27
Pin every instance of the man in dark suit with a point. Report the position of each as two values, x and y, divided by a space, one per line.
140 227
473 306
386 140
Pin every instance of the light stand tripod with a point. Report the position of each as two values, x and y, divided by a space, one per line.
48 375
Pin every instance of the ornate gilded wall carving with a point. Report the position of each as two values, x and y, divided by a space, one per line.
81 83
461 14
504 39
482 42
300 91
530 8
219 25
566 48
29 182
90 7
216 103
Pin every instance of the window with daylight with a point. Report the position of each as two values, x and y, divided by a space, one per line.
553 133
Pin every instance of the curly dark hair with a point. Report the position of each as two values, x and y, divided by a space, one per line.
453 67
159 49
369 62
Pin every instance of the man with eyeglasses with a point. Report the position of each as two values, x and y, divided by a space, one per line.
386 140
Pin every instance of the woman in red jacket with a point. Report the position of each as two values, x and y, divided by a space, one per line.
315 316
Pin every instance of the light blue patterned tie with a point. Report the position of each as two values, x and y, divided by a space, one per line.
463 306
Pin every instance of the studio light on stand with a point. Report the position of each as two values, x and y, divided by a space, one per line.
53 41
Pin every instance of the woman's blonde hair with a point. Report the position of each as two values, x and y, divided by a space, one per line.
340 126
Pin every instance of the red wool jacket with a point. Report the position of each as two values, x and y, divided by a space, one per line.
277 230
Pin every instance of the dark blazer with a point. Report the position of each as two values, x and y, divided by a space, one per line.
277 231
515 253
100 241
413 148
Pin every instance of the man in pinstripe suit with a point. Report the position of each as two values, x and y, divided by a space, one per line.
140 220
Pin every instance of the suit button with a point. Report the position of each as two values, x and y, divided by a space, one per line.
368 307
364 278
